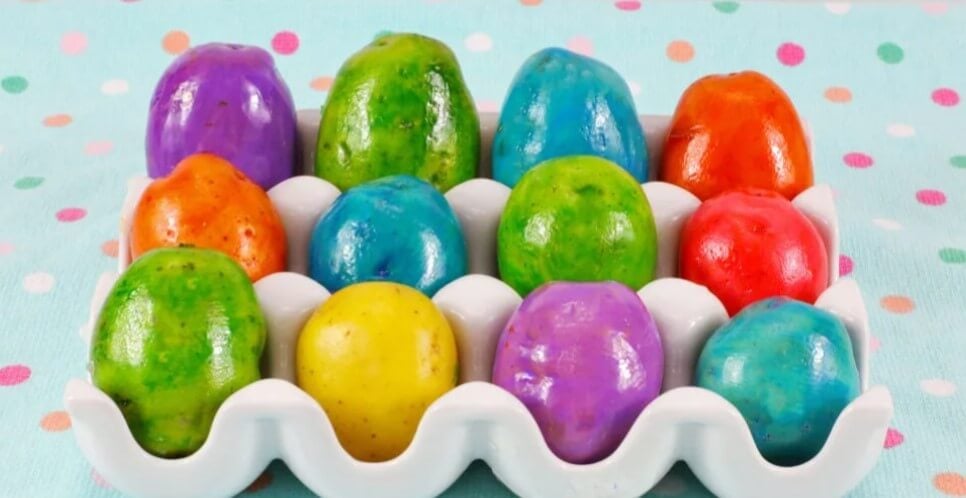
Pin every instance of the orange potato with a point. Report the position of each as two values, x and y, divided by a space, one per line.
206 202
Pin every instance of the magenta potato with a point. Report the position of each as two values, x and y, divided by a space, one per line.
227 100
585 359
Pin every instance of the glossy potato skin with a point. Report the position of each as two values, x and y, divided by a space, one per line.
585 359
225 99
789 368
399 106
398 229
576 218
749 245
564 104
180 332
732 131
206 202
375 355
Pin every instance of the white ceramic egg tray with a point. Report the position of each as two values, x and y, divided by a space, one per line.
273 419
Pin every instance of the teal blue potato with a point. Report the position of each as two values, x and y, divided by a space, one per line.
789 368
397 229
565 104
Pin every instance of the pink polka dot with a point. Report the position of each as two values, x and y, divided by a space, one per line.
935 8
488 106
5 248
99 480
946 97
857 160
98 148
12 375
68 215
73 43
790 54
582 45
845 265
285 42
874 343
931 197
628 5
893 438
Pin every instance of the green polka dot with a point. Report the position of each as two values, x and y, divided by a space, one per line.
28 182
726 7
380 34
890 53
958 161
952 255
14 84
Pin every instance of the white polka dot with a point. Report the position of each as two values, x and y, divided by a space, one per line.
887 224
38 283
839 8
479 42
900 130
938 387
670 486
635 87
114 87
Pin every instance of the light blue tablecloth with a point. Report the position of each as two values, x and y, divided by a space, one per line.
880 85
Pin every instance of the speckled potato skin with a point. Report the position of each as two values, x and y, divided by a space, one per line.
375 355
180 331
399 105
789 368
576 218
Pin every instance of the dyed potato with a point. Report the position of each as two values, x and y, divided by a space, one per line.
565 104
180 332
398 229
228 100
585 359
789 368
577 218
206 202
399 106
745 246
375 356
734 131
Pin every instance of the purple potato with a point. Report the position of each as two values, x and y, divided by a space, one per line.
228 100
585 359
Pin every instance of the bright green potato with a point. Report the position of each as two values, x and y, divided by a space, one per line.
180 331
576 218
399 106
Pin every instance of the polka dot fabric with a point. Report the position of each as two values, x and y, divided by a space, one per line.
881 87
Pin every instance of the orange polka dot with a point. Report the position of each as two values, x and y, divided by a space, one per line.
951 483
321 84
530 3
175 42
680 51
57 120
897 304
263 481
838 94
56 421
109 248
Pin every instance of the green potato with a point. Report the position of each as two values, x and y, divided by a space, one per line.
580 219
399 106
180 331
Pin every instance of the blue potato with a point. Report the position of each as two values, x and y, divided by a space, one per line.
564 104
789 369
398 229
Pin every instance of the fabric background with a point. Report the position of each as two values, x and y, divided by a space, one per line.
880 85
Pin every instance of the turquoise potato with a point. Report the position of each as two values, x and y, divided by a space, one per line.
179 333
577 218
398 228
564 104
789 368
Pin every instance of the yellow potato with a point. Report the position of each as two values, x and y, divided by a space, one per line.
375 356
